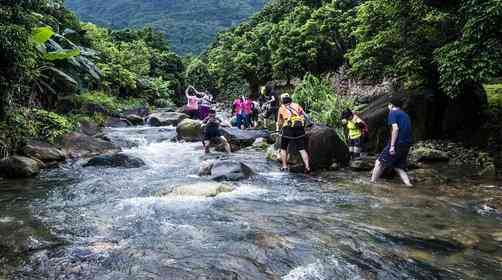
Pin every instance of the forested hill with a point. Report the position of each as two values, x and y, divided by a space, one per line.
189 24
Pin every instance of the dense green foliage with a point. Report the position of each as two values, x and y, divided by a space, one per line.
494 93
189 25
320 102
441 44
44 69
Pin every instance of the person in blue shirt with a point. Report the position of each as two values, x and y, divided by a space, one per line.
395 154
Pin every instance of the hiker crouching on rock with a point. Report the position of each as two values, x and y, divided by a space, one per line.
212 134
358 133
395 154
291 119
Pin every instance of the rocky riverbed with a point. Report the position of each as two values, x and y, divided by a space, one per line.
158 208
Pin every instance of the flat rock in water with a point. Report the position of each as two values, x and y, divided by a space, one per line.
43 151
200 189
230 171
19 167
166 118
116 160
244 138
80 145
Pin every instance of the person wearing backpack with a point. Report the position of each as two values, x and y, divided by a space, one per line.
291 119
357 133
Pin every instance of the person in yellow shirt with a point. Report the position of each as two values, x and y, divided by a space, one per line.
357 132
291 119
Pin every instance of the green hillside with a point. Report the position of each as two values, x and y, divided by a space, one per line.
189 24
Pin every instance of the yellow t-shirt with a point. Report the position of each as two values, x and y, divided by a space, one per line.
354 131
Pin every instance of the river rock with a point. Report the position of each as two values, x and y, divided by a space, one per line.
80 145
117 122
226 170
19 167
166 118
362 164
116 160
140 111
324 147
135 119
43 152
428 176
425 154
89 128
189 130
200 189
260 144
244 138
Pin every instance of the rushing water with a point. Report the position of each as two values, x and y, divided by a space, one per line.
111 223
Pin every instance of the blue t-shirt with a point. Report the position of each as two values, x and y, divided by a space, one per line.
404 123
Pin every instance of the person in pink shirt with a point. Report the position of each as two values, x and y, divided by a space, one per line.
248 110
192 107
238 110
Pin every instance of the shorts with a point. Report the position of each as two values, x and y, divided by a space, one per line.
193 114
293 135
355 142
211 133
398 160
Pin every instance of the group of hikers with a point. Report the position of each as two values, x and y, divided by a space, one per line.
291 121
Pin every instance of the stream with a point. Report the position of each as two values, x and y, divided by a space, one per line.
111 223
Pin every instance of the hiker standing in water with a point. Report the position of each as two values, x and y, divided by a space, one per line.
395 154
291 119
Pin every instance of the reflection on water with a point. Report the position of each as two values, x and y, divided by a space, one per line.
94 223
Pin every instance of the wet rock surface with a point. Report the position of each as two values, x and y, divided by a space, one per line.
78 145
226 170
19 167
43 151
201 189
189 130
115 160
244 138
166 118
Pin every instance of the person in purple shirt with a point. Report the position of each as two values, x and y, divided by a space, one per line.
395 154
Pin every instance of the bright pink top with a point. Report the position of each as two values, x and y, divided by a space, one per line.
238 106
193 103
248 106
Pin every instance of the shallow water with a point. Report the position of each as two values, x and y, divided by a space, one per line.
96 223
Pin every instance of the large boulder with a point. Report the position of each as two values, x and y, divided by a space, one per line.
88 127
19 167
244 138
226 170
166 118
43 152
433 115
189 130
78 145
116 160
324 146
